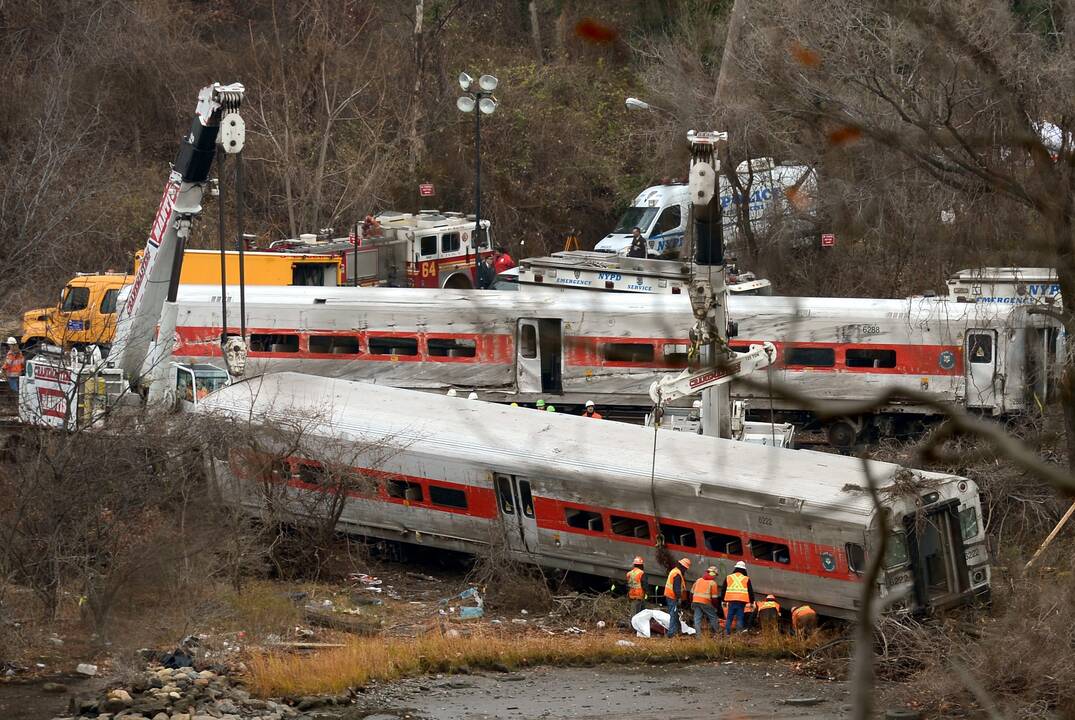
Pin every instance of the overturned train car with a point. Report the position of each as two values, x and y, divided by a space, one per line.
577 494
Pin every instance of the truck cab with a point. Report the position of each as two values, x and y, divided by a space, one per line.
85 314
660 213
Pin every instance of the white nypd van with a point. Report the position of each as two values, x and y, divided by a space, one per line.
660 213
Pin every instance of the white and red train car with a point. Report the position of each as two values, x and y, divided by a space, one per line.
570 347
577 494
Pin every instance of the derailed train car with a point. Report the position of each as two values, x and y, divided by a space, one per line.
577 494
608 347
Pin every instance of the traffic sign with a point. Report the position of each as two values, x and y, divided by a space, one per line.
828 240
425 189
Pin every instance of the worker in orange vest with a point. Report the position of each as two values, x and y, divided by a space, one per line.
591 411
14 364
803 620
703 594
675 590
769 614
636 592
737 591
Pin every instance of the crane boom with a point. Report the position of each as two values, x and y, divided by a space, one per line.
690 382
157 279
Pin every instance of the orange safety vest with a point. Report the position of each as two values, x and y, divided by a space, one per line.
769 605
595 416
802 615
704 590
738 589
14 364
634 583
670 585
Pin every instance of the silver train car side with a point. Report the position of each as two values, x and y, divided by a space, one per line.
570 347
577 494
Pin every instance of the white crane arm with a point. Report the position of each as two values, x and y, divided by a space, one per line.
690 382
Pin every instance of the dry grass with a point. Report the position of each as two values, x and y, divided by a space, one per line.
364 661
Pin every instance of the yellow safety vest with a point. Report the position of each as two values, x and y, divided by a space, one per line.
738 589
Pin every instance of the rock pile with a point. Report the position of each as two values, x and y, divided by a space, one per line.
187 694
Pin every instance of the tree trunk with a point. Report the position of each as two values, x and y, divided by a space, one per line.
535 33
416 146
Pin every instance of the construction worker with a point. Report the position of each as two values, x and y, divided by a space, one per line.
737 591
452 392
675 590
540 404
703 595
636 591
769 614
803 620
550 408
591 411
502 260
638 247
14 364
472 396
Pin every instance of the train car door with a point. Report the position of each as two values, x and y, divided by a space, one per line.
517 512
539 356
980 352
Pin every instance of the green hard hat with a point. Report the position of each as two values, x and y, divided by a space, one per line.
550 408
541 403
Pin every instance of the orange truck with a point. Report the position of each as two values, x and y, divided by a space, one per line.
86 313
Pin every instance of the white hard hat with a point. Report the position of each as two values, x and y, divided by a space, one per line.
472 396
12 341
589 403
696 404
740 565
452 392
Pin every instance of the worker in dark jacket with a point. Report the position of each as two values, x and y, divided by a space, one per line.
737 591
638 245
675 590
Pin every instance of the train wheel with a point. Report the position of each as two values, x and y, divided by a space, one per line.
843 433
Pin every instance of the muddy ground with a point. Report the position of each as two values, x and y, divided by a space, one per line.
737 689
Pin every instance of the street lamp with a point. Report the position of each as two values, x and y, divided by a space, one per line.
634 103
481 98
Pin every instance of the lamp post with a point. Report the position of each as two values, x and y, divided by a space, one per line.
483 100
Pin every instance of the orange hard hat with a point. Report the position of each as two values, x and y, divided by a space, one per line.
638 560
685 562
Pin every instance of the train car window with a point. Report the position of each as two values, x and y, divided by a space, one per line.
771 551
334 344
393 346
428 245
312 474
264 342
739 347
583 520
449 242
503 491
870 358
968 523
627 352
678 535
675 355
280 470
404 490
896 556
526 498
980 347
856 557
451 347
629 527
447 497
722 543
810 357
528 341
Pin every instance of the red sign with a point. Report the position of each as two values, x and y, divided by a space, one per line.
425 189
828 240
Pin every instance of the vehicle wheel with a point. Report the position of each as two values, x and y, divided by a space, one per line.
842 434
458 281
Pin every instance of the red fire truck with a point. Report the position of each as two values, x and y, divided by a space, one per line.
430 249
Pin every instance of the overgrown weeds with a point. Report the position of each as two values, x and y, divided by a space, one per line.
364 661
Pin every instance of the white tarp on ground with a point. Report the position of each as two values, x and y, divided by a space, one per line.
640 622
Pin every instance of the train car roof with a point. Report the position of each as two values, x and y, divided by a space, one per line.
907 309
533 443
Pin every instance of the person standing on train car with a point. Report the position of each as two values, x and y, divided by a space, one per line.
803 620
675 590
591 411
737 591
703 594
636 591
